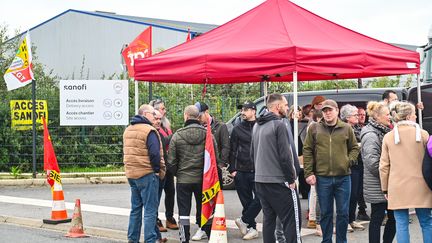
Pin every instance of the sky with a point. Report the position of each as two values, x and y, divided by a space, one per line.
394 21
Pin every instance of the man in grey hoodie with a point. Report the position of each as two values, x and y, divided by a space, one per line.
275 173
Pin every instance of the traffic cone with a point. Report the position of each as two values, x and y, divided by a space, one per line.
77 230
218 231
58 212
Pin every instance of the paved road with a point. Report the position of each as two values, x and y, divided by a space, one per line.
16 233
107 206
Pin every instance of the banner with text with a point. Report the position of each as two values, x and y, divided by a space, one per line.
94 102
21 113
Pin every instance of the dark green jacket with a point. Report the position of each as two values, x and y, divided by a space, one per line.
328 153
186 153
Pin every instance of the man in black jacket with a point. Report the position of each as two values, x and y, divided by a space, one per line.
275 173
243 170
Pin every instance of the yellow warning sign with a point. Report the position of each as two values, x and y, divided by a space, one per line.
21 113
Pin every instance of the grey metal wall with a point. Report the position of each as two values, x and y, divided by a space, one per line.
63 43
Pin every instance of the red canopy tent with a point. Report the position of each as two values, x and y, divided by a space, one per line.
274 40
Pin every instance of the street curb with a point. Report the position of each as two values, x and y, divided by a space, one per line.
80 180
92 231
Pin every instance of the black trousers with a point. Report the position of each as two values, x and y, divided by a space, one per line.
277 200
377 217
169 194
184 204
245 187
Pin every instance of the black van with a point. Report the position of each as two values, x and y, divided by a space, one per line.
356 97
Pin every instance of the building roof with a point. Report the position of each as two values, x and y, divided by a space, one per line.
195 28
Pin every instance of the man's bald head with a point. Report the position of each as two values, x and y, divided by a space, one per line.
191 112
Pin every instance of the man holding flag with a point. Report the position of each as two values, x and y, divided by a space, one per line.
186 156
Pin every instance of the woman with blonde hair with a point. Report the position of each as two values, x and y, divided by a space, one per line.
401 172
371 140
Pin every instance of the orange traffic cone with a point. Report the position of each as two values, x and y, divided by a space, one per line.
58 212
218 231
77 230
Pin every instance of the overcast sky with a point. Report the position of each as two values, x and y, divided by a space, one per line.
396 21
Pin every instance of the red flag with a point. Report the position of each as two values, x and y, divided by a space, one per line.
188 38
141 47
211 184
50 159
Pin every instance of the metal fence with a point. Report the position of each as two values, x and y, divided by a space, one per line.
99 148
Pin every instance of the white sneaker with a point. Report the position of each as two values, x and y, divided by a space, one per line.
350 229
357 226
199 235
251 234
242 226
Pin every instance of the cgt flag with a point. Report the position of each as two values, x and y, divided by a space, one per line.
141 47
211 184
20 71
50 159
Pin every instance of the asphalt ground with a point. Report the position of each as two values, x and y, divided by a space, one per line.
105 207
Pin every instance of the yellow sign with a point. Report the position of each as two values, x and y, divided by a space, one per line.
21 113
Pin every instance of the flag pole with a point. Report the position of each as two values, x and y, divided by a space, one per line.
34 125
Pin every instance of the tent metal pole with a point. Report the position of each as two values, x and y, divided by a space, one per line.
136 97
295 111
150 91
419 99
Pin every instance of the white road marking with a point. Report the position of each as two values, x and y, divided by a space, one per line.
110 210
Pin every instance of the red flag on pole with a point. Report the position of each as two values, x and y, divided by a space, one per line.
50 159
188 38
141 47
211 184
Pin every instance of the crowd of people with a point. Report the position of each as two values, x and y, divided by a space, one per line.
347 156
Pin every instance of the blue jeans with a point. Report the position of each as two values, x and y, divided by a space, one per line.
424 216
330 188
144 193
245 186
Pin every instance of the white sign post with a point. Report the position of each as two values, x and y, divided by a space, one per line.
94 102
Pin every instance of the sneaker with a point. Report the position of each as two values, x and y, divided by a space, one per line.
356 226
251 234
363 216
318 231
199 235
350 229
241 225
171 224
160 225
311 224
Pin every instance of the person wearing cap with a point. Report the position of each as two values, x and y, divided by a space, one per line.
328 153
275 172
219 131
243 170
221 135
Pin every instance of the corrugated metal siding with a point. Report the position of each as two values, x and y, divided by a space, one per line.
63 42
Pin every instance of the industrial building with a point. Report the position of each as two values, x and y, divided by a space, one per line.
86 45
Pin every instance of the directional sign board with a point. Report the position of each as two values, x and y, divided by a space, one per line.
94 102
